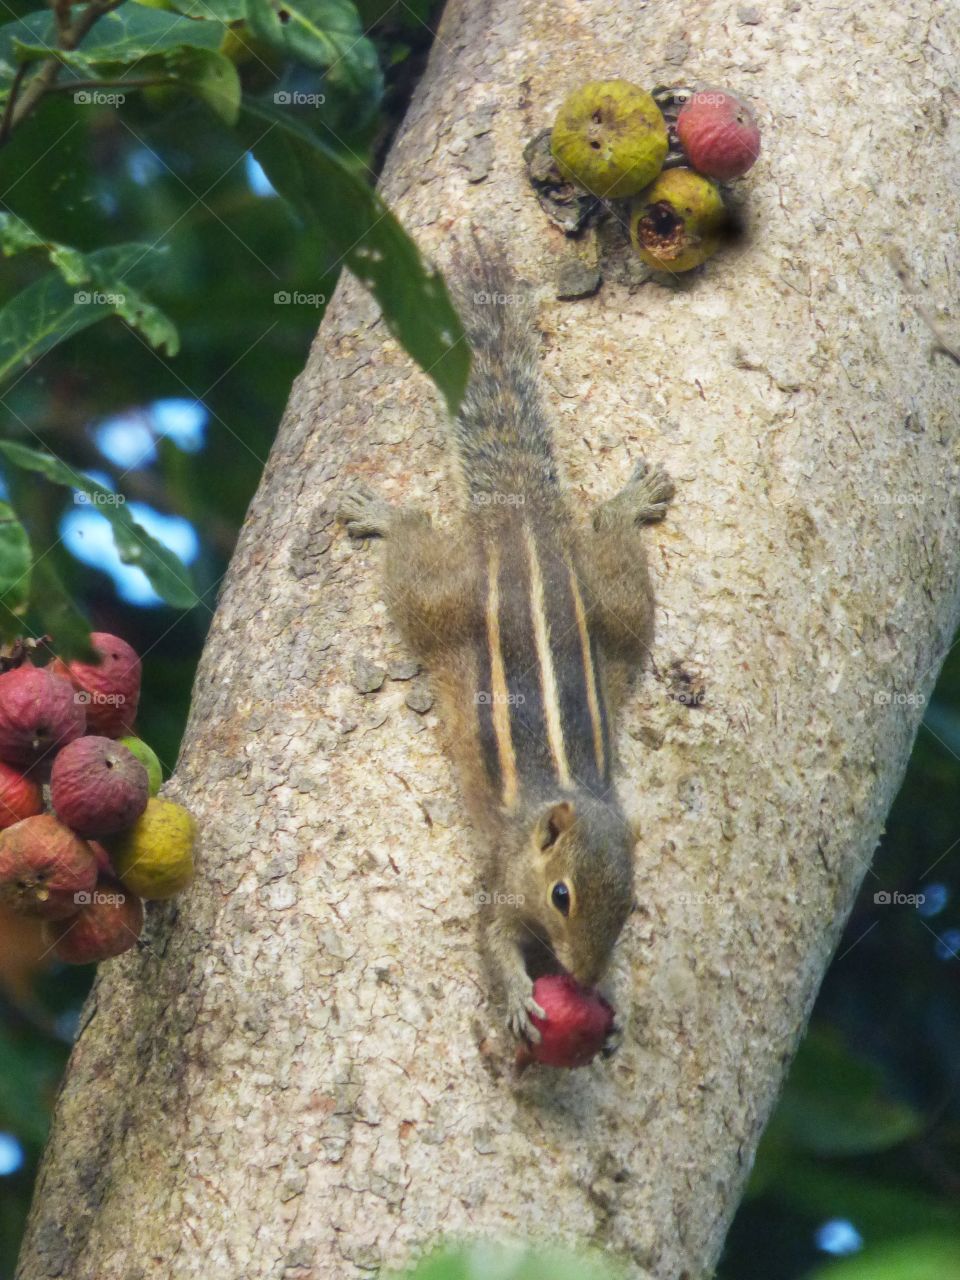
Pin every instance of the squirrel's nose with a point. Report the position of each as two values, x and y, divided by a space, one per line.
588 975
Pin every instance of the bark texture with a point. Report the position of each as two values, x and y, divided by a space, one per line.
301 1075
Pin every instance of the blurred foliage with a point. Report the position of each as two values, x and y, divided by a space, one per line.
486 1261
868 1129
103 102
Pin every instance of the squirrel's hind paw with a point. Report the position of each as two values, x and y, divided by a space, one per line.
364 513
650 490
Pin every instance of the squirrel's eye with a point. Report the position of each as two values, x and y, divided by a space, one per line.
560 897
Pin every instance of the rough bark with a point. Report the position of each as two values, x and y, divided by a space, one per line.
301 1075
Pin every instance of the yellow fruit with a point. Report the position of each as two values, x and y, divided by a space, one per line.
678 222
610 138
155 857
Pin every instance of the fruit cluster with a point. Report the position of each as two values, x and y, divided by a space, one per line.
83 836
665 154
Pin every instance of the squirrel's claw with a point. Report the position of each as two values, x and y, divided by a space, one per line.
651 490
614 1038
522 1006
364 513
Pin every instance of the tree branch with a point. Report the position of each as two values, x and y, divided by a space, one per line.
69 36
300 1074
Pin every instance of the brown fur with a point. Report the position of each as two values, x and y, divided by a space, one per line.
549 830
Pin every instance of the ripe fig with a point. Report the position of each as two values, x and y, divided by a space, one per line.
148 758
104 865
155 857
577 1023
20 796
39 714
610 138
110 689
678 222
109 924
719 134
45 869
97 786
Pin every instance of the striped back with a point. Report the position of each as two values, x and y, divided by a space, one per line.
541 715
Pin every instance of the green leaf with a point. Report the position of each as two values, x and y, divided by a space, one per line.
17 235
485 1260
59 617
50 310
117 42
326 34
835 1103
211 77
32 28
31 1067
139 43
223 10
912 1258
15 558
337 204
168 576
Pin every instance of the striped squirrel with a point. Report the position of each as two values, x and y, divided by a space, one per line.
530 627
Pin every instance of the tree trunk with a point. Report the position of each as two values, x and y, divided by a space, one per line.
301 1074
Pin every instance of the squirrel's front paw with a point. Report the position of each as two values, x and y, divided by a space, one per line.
520 1006
651 490
365 513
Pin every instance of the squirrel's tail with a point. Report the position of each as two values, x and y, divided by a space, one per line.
501 434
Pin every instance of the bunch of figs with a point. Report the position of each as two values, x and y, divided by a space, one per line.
665 155
84 837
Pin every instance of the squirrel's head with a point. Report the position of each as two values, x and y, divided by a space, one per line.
583 852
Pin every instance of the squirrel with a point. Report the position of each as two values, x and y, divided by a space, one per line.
530 627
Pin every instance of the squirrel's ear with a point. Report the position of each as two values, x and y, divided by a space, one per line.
554 822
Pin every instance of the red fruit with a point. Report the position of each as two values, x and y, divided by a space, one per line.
577 1023
98 786
112 687
109 924
104 865
719 134
44 867
39 713
20 797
